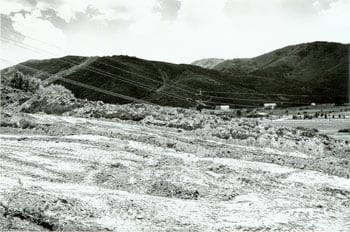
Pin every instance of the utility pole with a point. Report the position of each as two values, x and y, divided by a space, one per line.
200 93
200 102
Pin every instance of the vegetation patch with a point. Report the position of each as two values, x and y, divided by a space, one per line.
167 189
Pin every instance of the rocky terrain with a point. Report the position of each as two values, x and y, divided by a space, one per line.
70 164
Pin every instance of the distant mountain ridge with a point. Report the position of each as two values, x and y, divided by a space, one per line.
294 75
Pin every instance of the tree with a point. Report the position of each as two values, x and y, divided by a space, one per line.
25 83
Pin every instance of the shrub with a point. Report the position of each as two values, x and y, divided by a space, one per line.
309 133
280 132
24 82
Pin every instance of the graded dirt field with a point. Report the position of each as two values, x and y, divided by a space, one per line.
69 173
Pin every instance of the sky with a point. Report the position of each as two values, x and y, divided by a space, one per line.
178 31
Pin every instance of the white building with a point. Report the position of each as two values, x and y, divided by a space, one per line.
222 107
270 105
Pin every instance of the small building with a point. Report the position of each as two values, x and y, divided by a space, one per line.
262 115
270 105
222 107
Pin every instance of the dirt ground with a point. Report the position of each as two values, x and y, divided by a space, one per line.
329 127
70 173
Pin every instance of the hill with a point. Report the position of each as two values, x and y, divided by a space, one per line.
322 67
295 75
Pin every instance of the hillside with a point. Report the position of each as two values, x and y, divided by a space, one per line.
295 75
322 65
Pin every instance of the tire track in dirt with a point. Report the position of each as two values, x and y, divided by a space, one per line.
135 177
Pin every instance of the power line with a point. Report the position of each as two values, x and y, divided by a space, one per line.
257 100
183 89
120 78
142 76
260 94
102 90
137 74
87 86
29 37
231 104
101 72
142 85
189 91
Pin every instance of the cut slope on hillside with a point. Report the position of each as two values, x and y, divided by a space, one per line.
208 63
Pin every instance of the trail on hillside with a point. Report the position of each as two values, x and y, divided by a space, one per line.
69 71
164 77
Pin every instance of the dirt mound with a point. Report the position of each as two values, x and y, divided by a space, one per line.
114 178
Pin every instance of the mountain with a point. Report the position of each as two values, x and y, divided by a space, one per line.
295 75
208 63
